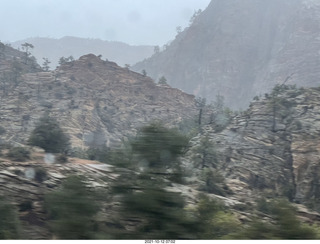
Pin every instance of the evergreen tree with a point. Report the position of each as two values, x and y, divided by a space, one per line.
156 149
162 81
72 209
49 136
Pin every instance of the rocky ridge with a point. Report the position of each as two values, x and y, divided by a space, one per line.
54 49
96 102
12 59
242 48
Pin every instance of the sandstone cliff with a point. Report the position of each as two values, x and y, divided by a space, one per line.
96 102
242 48
272 149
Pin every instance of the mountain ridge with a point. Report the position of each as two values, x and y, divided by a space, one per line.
240 49
54 49
96 101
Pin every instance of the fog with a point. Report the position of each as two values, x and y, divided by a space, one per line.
138 22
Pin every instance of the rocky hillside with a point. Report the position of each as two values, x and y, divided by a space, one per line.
54 49
12 60
25 183
272 149
96 102
242 48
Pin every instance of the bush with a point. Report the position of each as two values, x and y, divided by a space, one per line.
62 158
214 219
18 154
40 174
71 210
163 215
49 136
286 224
9 222
159 147
25 206
213 182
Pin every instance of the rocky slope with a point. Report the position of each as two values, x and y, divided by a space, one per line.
12 60
54 49
25 183
242 48
96 102
272 149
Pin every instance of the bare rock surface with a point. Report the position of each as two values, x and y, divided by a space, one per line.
96 102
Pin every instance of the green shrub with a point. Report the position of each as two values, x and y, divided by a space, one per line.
18 154
25 206
9 222
213 182
71 210
214 219
285 225
159 147
40 174
62 158
49 136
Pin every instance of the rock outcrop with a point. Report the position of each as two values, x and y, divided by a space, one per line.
24 184
242 48
96 102
273 147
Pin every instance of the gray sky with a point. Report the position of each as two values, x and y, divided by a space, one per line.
135 22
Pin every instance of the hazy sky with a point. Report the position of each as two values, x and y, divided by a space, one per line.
135 22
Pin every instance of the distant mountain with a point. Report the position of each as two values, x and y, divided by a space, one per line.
242 48
54 49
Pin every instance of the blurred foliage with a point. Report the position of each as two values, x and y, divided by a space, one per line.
215 221
158 146
49 136
285 224
162 215
18 154
62 158
213 182
147 209
156 151
189 127
9 222
72 209
40 174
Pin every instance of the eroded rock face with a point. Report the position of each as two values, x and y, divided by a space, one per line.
96 102
242 48
24 184
260 154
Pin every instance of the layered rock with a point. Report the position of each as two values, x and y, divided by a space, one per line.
272 149
24 184
96 102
